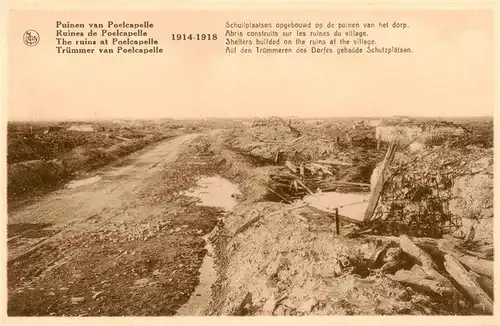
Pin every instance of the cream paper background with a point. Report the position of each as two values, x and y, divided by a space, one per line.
436 80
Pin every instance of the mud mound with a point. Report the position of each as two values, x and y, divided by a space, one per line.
43 175
24 176
278 266
252 181
85 158
276 143
24 145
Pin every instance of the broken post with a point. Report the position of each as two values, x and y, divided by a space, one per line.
377 192
337 226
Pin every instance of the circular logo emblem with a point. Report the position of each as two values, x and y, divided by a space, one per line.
31 37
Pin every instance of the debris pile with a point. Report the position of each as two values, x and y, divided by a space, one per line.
332 157
430 193
274 142
423 248
310 178
438 132
279 261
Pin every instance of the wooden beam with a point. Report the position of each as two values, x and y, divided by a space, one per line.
478 265
418 280
382 178
468 283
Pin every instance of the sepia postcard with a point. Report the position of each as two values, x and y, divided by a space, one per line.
249 162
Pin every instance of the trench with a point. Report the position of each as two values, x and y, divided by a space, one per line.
219 192
214 192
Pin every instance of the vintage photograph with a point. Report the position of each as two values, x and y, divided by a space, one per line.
270 216
194 182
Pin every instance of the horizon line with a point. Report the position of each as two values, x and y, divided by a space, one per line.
249 117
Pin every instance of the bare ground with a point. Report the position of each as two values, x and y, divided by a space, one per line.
130 244
127 244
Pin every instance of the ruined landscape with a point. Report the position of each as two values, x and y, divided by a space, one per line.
249 217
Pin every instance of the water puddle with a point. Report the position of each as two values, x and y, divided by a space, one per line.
215 192
84 182
200 299
351 205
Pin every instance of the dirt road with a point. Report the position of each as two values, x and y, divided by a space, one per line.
119 242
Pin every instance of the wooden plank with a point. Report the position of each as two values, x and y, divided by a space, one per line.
305 187
486 283
468 283
418 280
477 254
374 198
419 241
478 265
342 183
249 223
423 258
429 245
337 226
485 249
334 162
280 196
291 166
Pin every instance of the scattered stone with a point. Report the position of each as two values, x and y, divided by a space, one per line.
76 300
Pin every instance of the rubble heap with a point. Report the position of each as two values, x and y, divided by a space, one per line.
333 157
277 141
277 260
